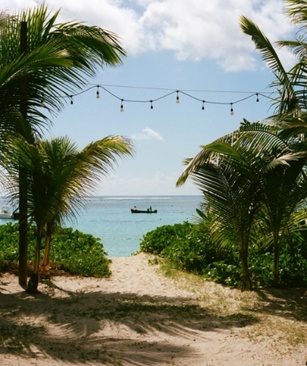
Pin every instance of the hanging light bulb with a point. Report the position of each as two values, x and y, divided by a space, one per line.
71 100
151 105
122 106
257 100
203 106
97 93
177 98
231 110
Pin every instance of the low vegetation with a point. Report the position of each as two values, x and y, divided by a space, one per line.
72 252
184 246
187 247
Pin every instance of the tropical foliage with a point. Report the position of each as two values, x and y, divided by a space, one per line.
72 252
42 63
189 247
254 180
182 244
250 179
59 176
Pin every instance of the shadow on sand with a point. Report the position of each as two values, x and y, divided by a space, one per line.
114 328
82 326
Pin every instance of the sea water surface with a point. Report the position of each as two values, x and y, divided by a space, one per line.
110 219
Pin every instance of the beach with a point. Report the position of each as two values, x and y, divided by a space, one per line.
140 316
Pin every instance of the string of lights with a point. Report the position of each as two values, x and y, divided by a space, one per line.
186 93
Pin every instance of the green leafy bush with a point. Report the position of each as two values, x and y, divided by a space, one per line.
191 251
79 253
261 268
71 250
185 246
157 240
224 273
188 247
9 238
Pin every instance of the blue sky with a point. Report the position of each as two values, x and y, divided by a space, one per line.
193 46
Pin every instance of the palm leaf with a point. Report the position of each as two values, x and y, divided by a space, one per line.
296 10
287 99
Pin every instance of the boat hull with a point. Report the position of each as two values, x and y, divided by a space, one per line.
4 216
134 210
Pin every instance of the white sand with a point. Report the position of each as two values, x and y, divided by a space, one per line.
140 317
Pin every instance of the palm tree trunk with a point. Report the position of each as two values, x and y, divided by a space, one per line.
276 265
45 267
246 281
23 227
34 277
23 200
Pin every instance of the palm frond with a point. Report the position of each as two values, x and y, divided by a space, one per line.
296 10
287 99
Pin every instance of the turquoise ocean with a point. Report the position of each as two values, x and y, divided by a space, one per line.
110 219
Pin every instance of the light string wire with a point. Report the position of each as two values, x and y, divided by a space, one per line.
171 92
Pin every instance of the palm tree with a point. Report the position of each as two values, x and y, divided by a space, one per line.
290 116
244 173
284 188
12 116
281 178
31 99
271 161
59 176
222 172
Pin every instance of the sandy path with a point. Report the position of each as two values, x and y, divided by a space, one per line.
139 317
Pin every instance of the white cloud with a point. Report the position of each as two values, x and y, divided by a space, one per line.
191 29
196 29
146 134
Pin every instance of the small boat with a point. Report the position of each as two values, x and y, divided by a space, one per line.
148 211
6 214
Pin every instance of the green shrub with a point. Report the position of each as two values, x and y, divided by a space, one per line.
293 270
261 268
192 251
79 253
185 246
9 239
157 240
224 273
71 250
188 247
